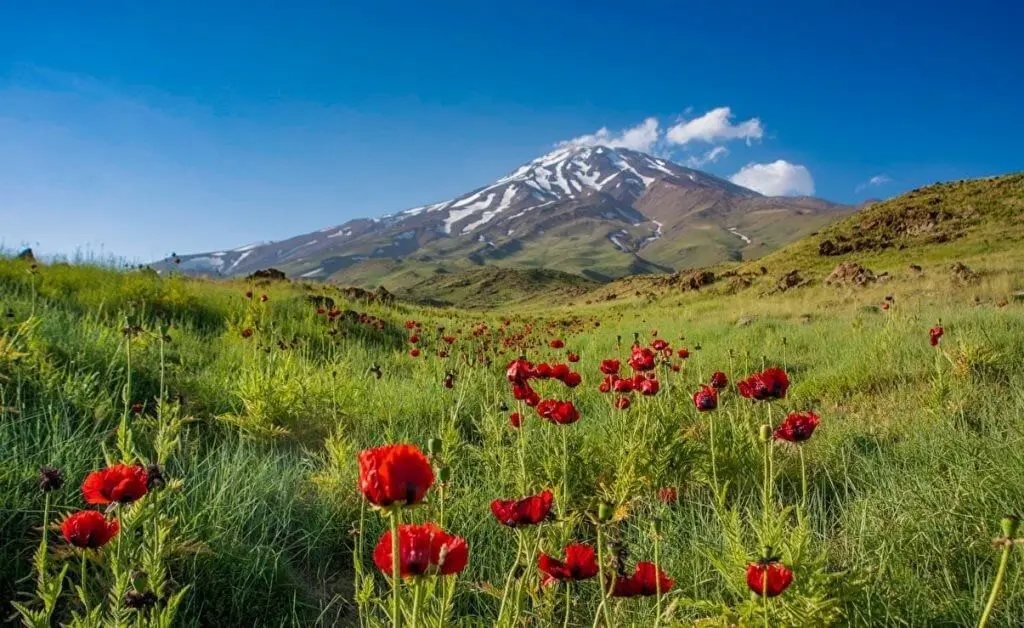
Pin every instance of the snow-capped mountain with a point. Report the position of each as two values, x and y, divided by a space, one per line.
596 210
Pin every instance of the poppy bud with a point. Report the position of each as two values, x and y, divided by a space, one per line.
50 479
434 446
444 474
766 433
605 512
1010 526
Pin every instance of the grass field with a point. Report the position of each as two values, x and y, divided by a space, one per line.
918 456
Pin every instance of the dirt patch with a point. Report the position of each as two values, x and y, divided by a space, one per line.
962 273
792 279
267 274
850 274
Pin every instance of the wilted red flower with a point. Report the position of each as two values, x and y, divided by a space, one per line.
248 294
719 380
89 529
764 386
622 403
610 367
659 345
560 412
649 387
642 359
394 474
572 357
413 339
263 298
797 427
683 353
528 511
515 419
247 332
556 343
705 399
934 334
668 495
768 577
422 549
137 408
120 483
414 353
580 564
645 581
442 354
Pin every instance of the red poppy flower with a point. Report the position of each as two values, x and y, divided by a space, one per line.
572 380
543 371
560 412
248 294
885 306
247 332
410 324
442 354
321 311
572 357
797 427
764 386
89 529
413 339
705 399
683 353
719 380
622 385
422 549
659 345
556 344
645 581
676 367
768 577
934 334
622 403
608 383
528 511
610 367
394 473
519 371
515 419
120 483
580 564
668 495
414 353
649 387
560 371
642 359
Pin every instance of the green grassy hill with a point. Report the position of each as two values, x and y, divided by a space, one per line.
255 412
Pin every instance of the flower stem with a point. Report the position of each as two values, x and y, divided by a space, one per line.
803 482
714 462
764 597
396 577
565 471
997 585
508 580
83 584
417 590
568 602
606 587
657 574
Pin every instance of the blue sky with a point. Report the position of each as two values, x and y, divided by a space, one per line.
141 128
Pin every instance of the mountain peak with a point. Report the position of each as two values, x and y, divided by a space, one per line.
592 208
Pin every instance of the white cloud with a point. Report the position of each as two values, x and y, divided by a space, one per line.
779 178
715 125
710 157
642 137
878 179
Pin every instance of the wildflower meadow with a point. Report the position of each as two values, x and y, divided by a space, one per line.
188 452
